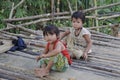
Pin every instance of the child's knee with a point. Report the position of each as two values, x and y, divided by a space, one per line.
78 53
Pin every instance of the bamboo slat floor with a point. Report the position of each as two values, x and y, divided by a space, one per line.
103 63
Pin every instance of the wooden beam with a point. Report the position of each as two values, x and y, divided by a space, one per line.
94 70
13 34
101 7
15 76
70 8
43 20
36 17
24 29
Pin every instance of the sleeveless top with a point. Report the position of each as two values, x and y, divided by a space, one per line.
64 52
77 42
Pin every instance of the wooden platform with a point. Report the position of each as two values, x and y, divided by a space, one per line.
103 63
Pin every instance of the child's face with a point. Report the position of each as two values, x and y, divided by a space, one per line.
50 38
77 23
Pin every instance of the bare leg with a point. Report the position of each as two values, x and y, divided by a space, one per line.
73 56
38 71
44 71
43 65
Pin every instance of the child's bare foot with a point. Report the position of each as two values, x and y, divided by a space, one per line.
41 72
71 79
45 72
38 72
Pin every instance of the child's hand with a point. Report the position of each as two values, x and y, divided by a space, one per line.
41 56
85 56
38 58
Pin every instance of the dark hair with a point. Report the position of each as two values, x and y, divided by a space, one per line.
79 14
51 29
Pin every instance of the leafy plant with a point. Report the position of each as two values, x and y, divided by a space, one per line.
36 7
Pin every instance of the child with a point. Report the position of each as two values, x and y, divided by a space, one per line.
55 56
78 38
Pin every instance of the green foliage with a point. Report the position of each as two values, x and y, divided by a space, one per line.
102 12
62 23
33 26
36 7
20 13
106 30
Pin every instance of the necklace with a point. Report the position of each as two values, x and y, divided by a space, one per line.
77 32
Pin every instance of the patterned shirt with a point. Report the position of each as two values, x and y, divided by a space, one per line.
77 42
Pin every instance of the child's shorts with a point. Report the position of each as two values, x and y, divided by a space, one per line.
77 53
60 62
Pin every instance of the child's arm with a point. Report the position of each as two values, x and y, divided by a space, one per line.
44 52
63 34
54 52
88 45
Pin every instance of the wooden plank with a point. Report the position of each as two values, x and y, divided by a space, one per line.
18 53
7 45
97 49
106 44
105 62
15 76
101 67
106 58
100 72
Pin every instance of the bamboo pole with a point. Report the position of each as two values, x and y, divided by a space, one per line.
95 3
14 75
8 28
76 5
58 6
101 7
94 70
103 26
107 17
41 16
70 8
11 12
36 17
13 8
97 67
21 35
24 29
62 13
43 20
53 8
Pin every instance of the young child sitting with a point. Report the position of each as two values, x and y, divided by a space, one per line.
78 38
55 56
